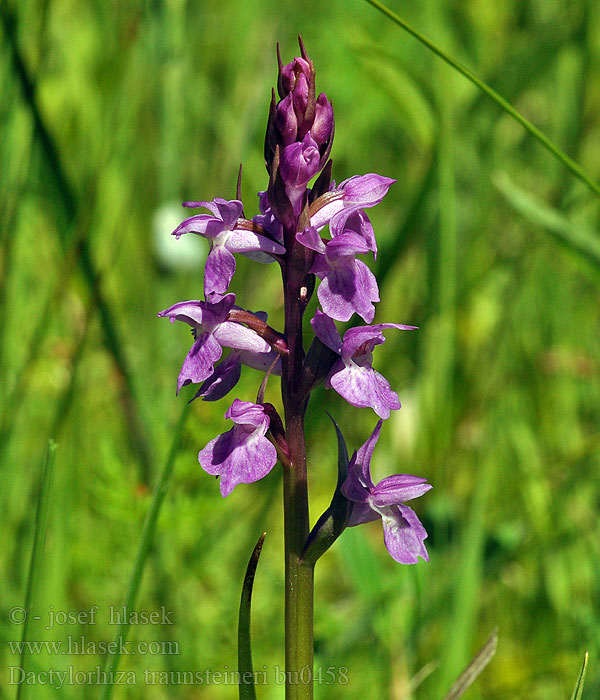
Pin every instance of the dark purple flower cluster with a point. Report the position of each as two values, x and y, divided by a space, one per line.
289 230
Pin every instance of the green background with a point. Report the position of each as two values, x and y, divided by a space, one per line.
111 115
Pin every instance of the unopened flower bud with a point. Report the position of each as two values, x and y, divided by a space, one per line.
286 121
322 128
300 70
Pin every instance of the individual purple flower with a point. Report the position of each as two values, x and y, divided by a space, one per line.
228 234
243 454
211 331
347 284
350 197
352 376
403 532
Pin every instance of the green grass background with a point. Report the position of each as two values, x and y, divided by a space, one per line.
116 112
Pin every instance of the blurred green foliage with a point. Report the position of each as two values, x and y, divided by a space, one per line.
113 113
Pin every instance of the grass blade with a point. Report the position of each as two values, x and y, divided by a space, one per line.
578 691
39 537
537 134
246 684
585 243
479 662
158 497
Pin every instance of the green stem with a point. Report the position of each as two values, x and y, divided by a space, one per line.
299 577
492 94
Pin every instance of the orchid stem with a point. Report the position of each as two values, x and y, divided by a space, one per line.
299 576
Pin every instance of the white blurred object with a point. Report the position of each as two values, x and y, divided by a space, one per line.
189 251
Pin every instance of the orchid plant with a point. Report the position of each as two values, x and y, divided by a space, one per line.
289 230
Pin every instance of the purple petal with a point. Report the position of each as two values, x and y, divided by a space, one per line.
358 192
238 458
225 376
194 204
364 387
219 309
365 454
198 224
396 489
248 413
228 211
365 190
348 243
326 331
299 162
243 241
311 239
267 219
403 534
200 313
199 362
234 335
190 312
354 338
218 271
347 289
362 513
358 222
320 266
354 488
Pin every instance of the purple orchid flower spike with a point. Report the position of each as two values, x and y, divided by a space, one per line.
403 532
211 331
347 284
228 234
353 376
243 454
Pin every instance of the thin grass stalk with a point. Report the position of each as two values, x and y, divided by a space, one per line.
446 262
158 496
39 538
504 104
467 582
